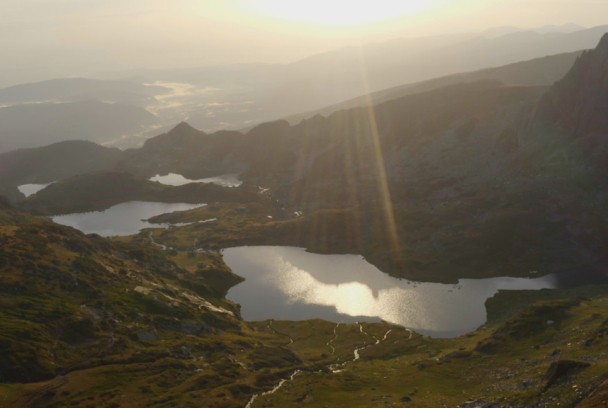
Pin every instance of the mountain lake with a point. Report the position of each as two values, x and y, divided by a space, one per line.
122 219
287 283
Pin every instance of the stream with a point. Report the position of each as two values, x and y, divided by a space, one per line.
334 368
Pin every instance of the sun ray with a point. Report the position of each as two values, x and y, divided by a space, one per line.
379 164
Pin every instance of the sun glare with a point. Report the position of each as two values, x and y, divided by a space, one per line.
340 12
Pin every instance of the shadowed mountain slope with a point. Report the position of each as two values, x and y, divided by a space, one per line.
51 163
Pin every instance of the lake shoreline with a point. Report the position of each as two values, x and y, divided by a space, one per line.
345 288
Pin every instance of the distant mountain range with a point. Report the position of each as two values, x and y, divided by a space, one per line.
241 96
333 77
542 71
31 125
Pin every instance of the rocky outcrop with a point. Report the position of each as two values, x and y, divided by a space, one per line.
578 103
572 117
562 369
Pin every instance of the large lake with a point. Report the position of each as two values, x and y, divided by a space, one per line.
173 179
122 219
288 283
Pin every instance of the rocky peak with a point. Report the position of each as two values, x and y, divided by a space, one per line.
602 47
183 127
578 104
180 136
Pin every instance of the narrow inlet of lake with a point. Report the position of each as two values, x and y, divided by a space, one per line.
173 179
122 219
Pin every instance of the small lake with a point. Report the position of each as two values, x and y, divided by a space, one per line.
29 189
286 283
173 179
122 219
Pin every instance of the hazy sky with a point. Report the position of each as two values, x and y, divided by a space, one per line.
78 37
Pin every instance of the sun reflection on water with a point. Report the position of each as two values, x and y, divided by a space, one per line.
281 280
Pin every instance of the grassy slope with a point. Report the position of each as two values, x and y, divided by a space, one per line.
87 322
225 370
433 373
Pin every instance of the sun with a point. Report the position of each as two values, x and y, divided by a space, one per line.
340 12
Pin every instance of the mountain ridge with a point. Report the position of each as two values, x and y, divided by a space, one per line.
512 74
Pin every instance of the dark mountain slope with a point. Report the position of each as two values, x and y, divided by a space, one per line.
186 151
469 177
439 185
54 162
275 152
51 163
425 186
577 105
99 191
565 147
451 132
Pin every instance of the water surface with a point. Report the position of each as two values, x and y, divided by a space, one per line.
29 189
288 283
173 179
122 219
